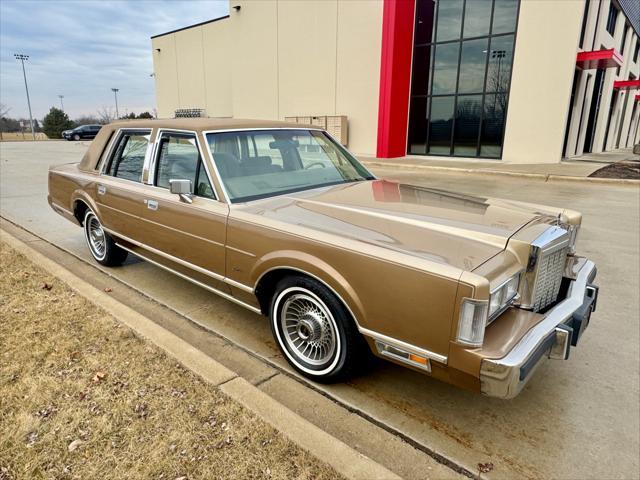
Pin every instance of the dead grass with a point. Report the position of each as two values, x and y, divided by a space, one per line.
82 397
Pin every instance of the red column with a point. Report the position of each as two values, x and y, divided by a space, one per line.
395 77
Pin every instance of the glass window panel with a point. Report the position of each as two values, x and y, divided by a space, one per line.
445 68
472 66
425 10
420 70
477 18
449 20
500 59
418 125
493 125
465 137
440 123
128 158
178 158
505 13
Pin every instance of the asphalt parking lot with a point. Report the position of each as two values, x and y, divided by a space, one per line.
576 419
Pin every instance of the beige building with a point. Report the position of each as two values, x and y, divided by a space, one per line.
514 80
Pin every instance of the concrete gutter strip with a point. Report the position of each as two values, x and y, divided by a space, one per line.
480 171
340 456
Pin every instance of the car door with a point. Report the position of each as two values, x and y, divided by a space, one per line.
119 189
189 234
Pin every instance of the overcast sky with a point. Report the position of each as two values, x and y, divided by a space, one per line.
81 49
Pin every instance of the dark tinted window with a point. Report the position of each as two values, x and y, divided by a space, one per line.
472 65
128 157
468 114
477 18
449 20
445 68
612 18
624 38
505 13
179 159
456 74
637 50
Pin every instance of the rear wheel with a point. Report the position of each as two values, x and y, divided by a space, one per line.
101 245
314 330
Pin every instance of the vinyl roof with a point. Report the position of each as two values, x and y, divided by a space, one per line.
204 123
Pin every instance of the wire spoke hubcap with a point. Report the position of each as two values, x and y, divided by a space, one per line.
307 329
96 236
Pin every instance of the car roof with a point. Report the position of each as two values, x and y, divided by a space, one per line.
206 123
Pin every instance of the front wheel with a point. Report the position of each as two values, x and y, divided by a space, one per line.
76 137
101 245
314 330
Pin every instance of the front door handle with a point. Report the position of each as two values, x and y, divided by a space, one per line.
102 189
151 204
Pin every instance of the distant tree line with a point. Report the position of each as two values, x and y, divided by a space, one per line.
56 121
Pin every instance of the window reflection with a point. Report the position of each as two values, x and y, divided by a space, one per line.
462 62
449 20
493 125
472 66
445 68
500 57
468 113
505 13
477 18
440 124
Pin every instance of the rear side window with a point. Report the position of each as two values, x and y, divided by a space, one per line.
128 157
179 158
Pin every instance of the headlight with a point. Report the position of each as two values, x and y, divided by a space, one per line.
472 322
502 296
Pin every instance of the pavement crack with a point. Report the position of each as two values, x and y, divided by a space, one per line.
266 379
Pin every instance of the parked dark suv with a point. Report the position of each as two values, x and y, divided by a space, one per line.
81 132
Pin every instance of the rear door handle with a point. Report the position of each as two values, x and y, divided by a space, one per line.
102 189
151 204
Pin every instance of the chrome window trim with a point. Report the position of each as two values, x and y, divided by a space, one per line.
154 160
311 128
115 140
192 280
364 331
184 263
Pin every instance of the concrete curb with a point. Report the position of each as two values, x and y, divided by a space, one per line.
477 171
316 441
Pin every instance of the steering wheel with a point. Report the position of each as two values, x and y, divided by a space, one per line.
314 164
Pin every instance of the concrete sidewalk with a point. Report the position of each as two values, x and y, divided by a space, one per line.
577 168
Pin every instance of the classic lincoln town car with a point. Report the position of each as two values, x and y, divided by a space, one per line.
283 220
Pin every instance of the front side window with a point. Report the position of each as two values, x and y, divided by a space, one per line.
128 157
461 75
263 163
179 159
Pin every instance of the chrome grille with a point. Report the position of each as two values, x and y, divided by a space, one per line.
548 277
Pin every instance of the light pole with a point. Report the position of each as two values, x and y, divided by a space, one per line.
22 58
61 104
115 94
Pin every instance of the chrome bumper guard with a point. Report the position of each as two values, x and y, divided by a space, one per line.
551 338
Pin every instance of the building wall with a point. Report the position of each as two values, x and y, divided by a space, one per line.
619 131
541 82
278 58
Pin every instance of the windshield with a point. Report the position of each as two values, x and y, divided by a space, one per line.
262 163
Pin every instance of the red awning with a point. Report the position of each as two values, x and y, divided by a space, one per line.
638 97
626 84
599 59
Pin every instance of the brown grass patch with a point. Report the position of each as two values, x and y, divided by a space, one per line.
81 396
19 137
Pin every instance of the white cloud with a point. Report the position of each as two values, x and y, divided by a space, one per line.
81 49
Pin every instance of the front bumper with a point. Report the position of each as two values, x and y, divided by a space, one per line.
551 338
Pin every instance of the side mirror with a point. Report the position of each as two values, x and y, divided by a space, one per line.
181 187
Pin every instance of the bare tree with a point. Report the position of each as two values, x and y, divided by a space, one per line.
106 115
4 110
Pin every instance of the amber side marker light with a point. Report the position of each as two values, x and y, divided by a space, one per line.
403 356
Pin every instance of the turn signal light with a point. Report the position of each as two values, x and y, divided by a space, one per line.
403 356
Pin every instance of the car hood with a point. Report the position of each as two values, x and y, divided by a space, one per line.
458 230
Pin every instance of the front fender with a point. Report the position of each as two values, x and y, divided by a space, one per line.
315 267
